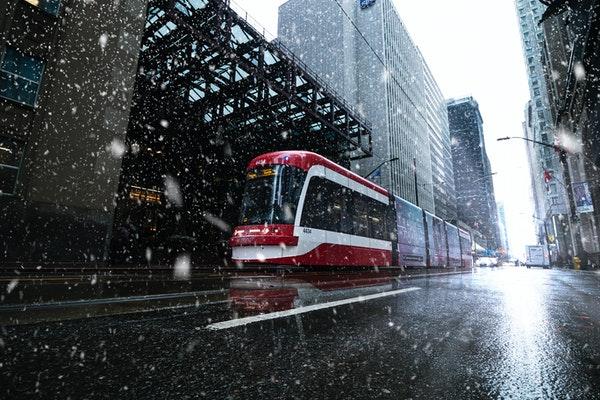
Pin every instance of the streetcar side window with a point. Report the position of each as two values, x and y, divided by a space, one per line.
360 217
324 205
313 212
333 207
369 217
377 220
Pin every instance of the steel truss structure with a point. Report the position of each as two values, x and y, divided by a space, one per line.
212 93
227 74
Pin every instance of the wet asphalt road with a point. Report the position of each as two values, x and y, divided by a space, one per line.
505 333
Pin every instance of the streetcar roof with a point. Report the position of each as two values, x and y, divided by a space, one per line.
305 160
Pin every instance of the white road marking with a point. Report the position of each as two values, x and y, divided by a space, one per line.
303 310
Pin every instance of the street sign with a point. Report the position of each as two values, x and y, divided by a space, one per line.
583 197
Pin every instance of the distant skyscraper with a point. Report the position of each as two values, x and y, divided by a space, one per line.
502 228
475 196
368 57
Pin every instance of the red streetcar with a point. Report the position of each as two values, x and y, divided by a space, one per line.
300 208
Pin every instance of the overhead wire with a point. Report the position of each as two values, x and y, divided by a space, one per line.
386 69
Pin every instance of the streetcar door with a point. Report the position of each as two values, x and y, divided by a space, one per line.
393 231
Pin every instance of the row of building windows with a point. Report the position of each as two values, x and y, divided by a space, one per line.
50 6
332 207
11 152
20 76
20 73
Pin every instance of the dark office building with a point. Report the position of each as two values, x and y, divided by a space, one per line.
476 201
67 72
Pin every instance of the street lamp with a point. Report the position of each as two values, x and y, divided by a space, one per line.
381 165
566 175
554 146
577 245
558 148
484 177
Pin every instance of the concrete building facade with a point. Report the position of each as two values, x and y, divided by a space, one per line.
476 201
444 192
556 226
368 57
550 198
571 65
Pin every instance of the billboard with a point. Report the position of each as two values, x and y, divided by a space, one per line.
583 197
411 234
366 3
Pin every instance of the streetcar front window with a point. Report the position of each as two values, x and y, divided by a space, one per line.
272 194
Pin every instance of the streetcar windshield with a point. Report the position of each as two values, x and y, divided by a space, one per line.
272 194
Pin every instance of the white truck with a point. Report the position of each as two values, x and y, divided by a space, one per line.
537 257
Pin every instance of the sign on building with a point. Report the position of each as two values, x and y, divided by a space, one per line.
583 197
366 3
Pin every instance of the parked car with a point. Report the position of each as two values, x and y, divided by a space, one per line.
487 262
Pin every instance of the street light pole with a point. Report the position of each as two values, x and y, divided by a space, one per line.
416 181
381 165
484 177
575 234
546 239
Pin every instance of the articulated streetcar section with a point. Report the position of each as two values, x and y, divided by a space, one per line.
301 209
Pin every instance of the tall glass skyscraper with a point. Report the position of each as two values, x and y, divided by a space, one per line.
368 56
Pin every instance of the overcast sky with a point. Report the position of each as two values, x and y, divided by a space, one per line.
473 48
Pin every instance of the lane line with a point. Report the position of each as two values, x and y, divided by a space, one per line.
217 326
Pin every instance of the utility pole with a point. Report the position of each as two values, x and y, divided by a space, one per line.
381 165
575 233
416 181
546 240
574 218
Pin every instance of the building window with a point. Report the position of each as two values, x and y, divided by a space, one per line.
50 6
20 76
11 153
